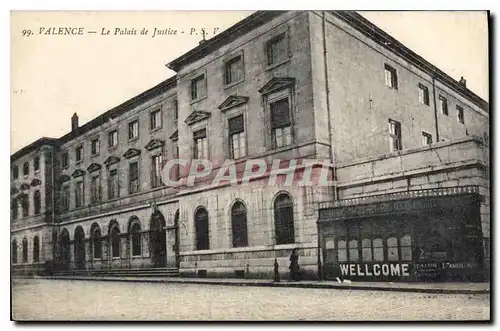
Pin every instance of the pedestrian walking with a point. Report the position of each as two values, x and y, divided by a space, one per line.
294 265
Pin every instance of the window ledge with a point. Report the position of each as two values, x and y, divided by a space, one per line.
133 139
111 148
156 129
94 155
197 100
232 84
275 65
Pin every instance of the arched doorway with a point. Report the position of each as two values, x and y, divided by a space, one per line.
79 246
158 240
64 249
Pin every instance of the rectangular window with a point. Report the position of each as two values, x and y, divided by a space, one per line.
460 114
15 172
156 166
113 139
95 189
426 138
79 194
133 177
200 144
64 160
276 49
79 154
25 204
281 126
176 155
65 198
233 70
443 105
26 169
423 94
36 164
155 119
237 137
176 110
391 77
133 130
395 135
198 87
95 146
113 184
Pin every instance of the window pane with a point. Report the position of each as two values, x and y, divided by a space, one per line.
353 250
280 116
342 255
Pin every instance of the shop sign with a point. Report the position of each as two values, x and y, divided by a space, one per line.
377 269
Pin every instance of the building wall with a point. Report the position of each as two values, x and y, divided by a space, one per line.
257 74
361 104
222 259
141 112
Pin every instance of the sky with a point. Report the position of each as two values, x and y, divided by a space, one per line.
54 76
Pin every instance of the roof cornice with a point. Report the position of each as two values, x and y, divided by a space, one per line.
227 36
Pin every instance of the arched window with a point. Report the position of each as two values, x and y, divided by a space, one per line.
135 233
201 227
96 242
14 251
115 242
239 224
25 250
37 202
283 220
36 249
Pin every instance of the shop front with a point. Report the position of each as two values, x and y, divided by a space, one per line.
425 235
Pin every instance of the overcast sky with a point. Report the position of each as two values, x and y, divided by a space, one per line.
54 76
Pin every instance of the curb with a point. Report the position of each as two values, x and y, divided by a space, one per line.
272 284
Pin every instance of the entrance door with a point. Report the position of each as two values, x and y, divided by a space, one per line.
158 240
79 245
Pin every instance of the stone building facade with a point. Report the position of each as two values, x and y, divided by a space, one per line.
275 86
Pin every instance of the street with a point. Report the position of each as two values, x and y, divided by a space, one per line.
41 299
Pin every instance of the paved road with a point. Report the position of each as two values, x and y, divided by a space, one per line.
81 300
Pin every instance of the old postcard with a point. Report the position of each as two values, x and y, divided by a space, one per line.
249 165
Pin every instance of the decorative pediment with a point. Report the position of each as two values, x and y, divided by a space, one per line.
94 167
131 152
154 143
36 182
277 83
175 136
232 101
64 178
196 116
111 160
78 173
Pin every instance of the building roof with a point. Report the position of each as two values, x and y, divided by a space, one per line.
225 37
34 146
384 39
121 109
352 18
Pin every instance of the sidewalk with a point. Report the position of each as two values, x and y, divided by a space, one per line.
440 288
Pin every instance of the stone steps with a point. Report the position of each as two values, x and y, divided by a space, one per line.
143 272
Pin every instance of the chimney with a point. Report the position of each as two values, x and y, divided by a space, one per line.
463 81
74 122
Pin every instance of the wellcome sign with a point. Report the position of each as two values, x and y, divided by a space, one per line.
403 271
385 269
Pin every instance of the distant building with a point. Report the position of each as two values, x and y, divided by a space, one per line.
408 144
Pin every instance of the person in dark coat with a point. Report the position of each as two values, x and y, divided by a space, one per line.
294 265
